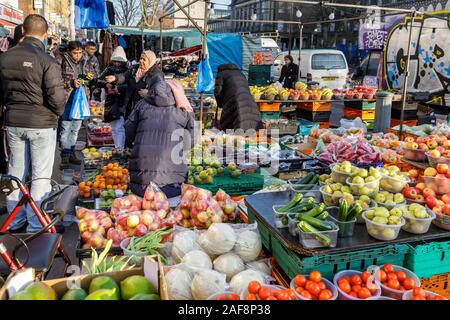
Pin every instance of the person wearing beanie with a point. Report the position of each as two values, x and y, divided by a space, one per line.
115 95
138 79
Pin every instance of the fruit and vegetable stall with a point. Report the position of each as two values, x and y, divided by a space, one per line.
321 214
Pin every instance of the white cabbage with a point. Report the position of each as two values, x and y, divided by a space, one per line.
179 284
248 245
184 242
229 264
206 283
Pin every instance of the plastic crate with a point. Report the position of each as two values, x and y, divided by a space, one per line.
355 113
427 260
266 236
314 116
315 106
439 284
293 264
270 115
244 185
361 105
305 126
269 106
410 123
407 115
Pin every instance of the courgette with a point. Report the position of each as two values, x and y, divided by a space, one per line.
306 179
291 204
314 212
323 216
317 223
354 211
306 205
306 227
343 210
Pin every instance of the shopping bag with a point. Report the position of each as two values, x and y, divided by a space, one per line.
91 14
205 77
80 105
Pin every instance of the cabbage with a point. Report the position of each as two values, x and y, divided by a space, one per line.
183 243
197 259
179 284
219 239
206 283
240 281
248 245
229 264
261 266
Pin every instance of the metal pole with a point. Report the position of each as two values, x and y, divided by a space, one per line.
290 31
176 10
300 45
189 17
405 81
161 42
204 33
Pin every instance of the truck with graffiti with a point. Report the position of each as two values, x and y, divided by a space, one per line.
429 67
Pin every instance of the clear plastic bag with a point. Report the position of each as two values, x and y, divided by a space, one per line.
206 283
240 281
197 260
126 204
156 200
183 243
93 226
137 223
354 123
220 238
262 265
229 264
228 206
178 280
248 243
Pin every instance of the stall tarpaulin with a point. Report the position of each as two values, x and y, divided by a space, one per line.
91 14
224 49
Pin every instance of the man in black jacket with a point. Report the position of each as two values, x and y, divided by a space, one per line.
34 97
289 73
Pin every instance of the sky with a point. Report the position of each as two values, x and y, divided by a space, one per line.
225 2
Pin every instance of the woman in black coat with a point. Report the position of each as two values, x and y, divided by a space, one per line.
289 73
159 131
139 79
239 109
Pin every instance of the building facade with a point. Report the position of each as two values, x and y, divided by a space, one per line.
10 14
196 11
55 11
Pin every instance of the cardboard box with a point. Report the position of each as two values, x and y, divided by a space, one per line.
151 269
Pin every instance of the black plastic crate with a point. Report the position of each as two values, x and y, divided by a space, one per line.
408 114
319 116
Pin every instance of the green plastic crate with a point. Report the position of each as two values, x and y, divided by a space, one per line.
293 263
427 260
270 115
265 233
244 185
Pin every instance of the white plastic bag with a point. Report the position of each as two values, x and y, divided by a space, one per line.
355 123
178 281
229 264
206 283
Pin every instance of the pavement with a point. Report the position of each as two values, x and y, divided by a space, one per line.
70 234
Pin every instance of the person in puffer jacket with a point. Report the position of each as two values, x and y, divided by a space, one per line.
239 109
155 127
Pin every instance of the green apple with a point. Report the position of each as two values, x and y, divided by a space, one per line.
399 198
358 180
199 169
374 172
346 189
337 194
363 173
348 197
370 214
329 181
390 203
370 179
336 186
380 220
365 199
380 198
382 211
365 191
327 189
388 234
231 166
396 212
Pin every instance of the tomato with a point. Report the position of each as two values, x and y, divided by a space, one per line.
345 286
392 276
393 284
253 287
356 288
233 296
300 280
250 296
408 283
401 276
365 276
313 288
439 298
282 295
291 294
322 285
271 298
299 290
221 298
382 276
353 294
355 280
325 295
418 291
418 298
402 288
388 268
305 294
264 293
364 293
315 276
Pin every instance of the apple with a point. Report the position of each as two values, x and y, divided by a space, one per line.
132 221
146 204
442 168
85 236
441 150
141 230
446 198
413 173
422 146
412 145
420 198
93 225
410 193
106 223
446 144
420 186
430 172
432 144
427 192
160 196
431 201
82 226
161 213
149 195
81 213
102 231
410 139
446 209
434 154
437 209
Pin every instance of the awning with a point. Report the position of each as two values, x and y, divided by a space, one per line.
7 23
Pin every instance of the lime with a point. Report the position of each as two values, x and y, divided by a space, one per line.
134 285
144 296
103 294
74 294
41 291
104 282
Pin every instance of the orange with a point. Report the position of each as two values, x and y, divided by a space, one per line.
109 173
102 185
81 193
114 174
82 185
110 181
87 195
116 181
109 186
96 184
115 187
89 183
116 164
86 189
110 166
119 174
124 180
124 171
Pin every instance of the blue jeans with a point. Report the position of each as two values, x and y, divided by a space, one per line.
36 147
69 135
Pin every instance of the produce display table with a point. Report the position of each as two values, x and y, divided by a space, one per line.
302 101
261 206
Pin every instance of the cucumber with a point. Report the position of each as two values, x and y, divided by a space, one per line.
314 212
317 223
323 216
354 212
291 204
306 227
306 179
343 210
306 205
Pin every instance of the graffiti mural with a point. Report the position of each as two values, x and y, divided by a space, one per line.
430 58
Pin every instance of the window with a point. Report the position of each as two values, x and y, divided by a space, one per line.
372 68
326 61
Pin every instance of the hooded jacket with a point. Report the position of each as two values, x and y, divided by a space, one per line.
239 109
150 127
32 87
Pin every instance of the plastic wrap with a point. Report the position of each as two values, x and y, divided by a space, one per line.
196 260
241 280
137 223
228 205
262 265
126 204
156 200
206 283
93 226
248 243
178 282
229 264
220 238
183 243
353 149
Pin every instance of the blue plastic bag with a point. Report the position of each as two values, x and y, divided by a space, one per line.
205 78
91 14
80 105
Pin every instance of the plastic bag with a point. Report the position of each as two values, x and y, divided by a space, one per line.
240 281
126 204
205 77
196 260
262 265
93 226
91 14
137 223
228 206
183 243
355 123
156 200
229 264
80 105
206 283
248 243
178 281
220 238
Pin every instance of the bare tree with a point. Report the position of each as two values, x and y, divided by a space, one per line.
151 12
128 12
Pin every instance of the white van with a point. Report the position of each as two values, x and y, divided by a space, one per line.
328 67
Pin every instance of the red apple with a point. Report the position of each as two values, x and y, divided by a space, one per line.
413 173
410 139
437 209
427 192
430 172
420 186
132 221
141 230
442 168
420 198
446 198
422 146
431 201
410 193
434 153
432 144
